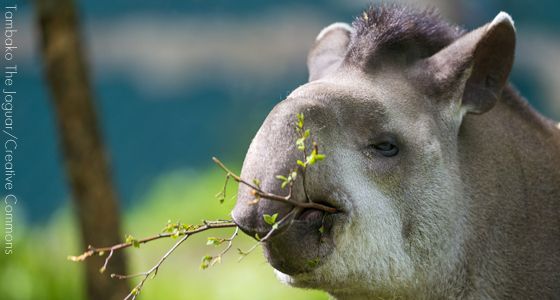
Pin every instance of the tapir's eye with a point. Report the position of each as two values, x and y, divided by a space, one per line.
387 149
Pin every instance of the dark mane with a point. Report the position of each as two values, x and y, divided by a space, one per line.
398 32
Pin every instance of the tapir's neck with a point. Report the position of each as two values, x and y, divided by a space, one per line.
510 166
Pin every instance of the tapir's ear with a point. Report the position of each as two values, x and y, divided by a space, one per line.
477 65
329 50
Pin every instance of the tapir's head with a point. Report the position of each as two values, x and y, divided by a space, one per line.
385 101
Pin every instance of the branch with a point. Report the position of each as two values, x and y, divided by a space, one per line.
136 290
273 197
175 230
284 223
185 233
218 258
196 229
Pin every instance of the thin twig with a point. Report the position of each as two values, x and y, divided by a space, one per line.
185 231
274 197
104 267
289 218
199 228
186 234
228 247
136 290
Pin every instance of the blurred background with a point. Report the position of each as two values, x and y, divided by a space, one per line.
175 83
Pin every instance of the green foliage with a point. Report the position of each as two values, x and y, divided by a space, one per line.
301 144
313 157
257 182
221 196
131 240
206 261
287 180
301 166
176 227
215 241
270 220
300 121
241 252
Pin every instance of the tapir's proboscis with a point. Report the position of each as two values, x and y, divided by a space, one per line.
446 182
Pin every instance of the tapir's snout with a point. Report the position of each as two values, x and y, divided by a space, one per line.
273 152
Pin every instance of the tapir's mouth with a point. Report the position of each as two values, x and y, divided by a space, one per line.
297 235
300 215
304 242
312 214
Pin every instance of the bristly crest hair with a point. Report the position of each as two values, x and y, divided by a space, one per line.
398 32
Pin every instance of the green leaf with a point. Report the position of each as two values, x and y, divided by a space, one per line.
214 241
284 184
306 133
205 263
242 253
275 226
257 182
320 156
322 229
129 238
300 143
300 120
270 220
170 227
281 177
310 160
301 163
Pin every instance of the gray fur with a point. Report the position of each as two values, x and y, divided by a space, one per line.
468 209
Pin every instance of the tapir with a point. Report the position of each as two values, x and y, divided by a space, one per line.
446 182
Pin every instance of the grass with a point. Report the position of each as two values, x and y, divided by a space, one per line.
39 270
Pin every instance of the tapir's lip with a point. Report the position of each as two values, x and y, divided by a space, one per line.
304 216
306 244
330 203
327 203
